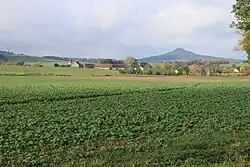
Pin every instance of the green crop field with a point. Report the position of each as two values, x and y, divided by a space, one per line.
84 122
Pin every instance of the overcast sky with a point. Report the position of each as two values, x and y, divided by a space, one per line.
117 28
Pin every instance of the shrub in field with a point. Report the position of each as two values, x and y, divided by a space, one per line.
63 65
122 71
38 64
247 72
20 63
56 65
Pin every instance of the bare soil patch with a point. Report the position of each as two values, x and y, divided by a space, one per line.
170 78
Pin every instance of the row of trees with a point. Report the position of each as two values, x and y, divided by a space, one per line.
143 68
61 65
197 67
109 61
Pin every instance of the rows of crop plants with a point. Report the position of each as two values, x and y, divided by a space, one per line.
49 92
197 125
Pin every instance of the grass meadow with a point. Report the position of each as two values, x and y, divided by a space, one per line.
8 69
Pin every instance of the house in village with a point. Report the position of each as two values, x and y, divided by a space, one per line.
74 64
114 64
77 64
236 70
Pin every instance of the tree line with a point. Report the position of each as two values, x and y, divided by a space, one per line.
196 67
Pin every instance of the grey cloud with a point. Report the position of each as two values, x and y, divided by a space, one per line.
114 28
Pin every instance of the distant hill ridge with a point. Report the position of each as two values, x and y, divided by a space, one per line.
179 54
13 57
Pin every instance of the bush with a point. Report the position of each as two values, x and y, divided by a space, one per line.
184 73
64 65
147 72
247 72
38 65
122 71
168 72
157 73
56 65
130 70
20 63
110 68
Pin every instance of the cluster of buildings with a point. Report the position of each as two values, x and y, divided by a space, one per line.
77 64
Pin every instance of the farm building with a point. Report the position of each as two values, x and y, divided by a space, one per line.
75 64
236 70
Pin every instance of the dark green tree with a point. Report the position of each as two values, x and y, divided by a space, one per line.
144 64
56 65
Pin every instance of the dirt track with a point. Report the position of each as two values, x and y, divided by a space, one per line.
171 78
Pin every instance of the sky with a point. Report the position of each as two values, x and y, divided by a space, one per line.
116 28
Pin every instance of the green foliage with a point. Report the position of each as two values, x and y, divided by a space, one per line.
167 69
184 70
38 64
104 61
106 125
122 71
56 65
20 63
241 10
245 43
62 65
131 62
145 65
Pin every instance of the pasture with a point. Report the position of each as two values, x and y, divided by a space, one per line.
111 121
49 69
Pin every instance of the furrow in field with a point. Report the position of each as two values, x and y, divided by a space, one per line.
86 96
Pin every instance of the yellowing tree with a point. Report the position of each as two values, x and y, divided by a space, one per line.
245 43
242 68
